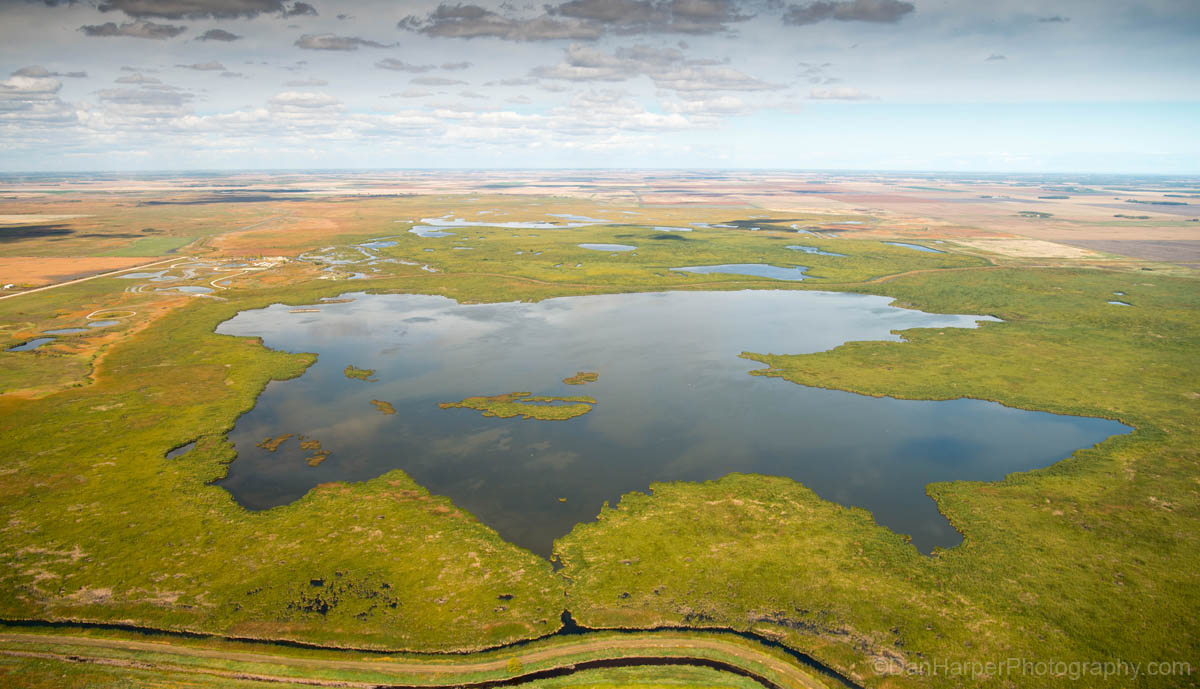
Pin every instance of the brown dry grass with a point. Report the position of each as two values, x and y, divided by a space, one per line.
44 270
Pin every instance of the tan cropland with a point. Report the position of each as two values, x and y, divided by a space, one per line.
22 218
1026 248
43 270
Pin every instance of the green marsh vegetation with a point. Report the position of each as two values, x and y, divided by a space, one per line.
527 406
1092 558
356 373
582 378
384 407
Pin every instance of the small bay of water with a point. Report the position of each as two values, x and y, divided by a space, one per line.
675 402
918 247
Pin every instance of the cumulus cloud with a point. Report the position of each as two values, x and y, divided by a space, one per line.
303 100
456 65
29 99
401 66
300 9
140 79
667 67
579 20
218 35
136 107
205 67
40 72
473 21
839 93
204 9
437 81
879 11
995 57
412 93
138 29
21 87
328 41
650 16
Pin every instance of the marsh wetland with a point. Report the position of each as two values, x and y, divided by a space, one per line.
673 402
434 450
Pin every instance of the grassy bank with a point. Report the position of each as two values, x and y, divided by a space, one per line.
1092 559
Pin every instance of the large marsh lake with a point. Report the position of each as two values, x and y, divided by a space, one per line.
674 402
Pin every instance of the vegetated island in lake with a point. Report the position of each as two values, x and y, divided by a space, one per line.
312 444
385 407
363 374
582 378
526 405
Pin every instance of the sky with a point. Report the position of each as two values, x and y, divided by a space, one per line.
955 85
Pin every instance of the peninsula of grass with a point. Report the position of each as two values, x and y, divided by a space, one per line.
363 374
582 378
384 407
526 405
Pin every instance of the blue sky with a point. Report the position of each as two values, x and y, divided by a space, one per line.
1008 85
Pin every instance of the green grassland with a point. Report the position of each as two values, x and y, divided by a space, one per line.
1093 558
40 673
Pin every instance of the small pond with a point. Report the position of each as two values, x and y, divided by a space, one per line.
105 324
918 247
761 270
66 331
32 344
674 402
812 250
430 232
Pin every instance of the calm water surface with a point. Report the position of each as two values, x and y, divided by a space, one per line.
675 402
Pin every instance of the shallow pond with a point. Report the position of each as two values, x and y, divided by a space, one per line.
918 247
105 324
608 247
812 250
32 344
430 232
675 402
142 276
66 331
761 270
